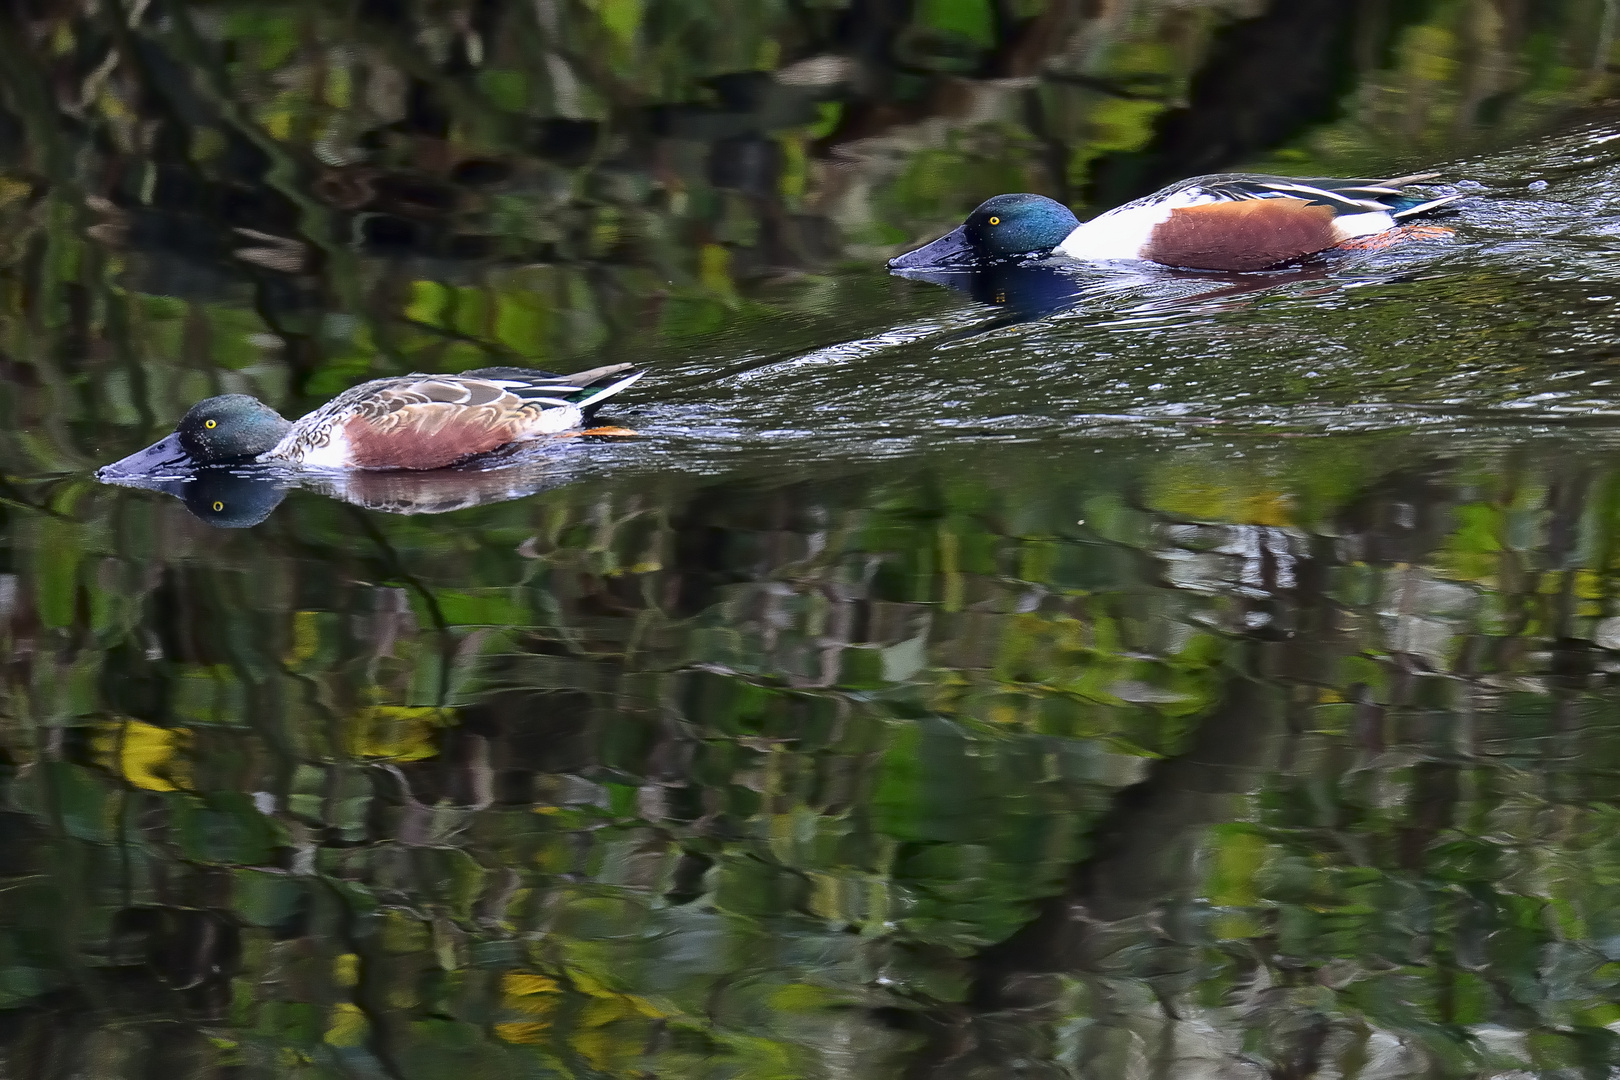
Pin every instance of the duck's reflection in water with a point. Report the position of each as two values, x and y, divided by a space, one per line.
1027 291
1024 291
243 496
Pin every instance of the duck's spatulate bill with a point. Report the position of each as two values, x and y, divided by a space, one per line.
952 249
164 456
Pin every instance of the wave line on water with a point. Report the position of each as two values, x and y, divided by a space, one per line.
842 351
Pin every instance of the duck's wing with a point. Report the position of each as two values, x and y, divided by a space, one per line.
1342 196
428 421
492 395
582 389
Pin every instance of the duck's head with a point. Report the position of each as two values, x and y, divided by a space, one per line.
217 430
1002 228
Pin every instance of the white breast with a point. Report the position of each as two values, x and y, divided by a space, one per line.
1118 234
555 419
329 453
1350 226
1123 232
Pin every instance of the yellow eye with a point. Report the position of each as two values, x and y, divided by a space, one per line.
218 506
211 424
995 221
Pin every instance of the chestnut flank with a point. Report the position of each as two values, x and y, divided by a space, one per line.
1250 235
423 444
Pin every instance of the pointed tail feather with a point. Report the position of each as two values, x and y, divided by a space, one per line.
581 379
1424 208
1372 189
596 374
609 390
1415 178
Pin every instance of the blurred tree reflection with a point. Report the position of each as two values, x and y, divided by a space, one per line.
1254 769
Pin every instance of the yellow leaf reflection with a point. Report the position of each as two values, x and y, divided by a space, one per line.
143 754
348 1026
396 732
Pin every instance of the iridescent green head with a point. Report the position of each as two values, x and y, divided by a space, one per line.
216 431
230 427
1002 228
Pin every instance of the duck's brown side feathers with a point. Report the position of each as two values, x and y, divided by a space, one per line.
1249 235
428 435
429 421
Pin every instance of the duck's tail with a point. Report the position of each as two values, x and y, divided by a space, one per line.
1342 196
584 389
1403 206
1401 213
590 379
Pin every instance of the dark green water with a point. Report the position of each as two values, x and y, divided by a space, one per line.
1084 673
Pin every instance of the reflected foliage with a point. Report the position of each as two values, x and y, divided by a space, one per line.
1295 760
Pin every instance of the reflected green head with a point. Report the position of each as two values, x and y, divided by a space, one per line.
228 500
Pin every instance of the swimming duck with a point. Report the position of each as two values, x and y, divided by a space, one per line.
1233 221
409 422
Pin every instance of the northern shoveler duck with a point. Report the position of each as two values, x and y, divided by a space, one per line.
410 422
1233 221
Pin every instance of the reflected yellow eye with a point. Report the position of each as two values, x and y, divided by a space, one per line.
995 221
218 506
211 424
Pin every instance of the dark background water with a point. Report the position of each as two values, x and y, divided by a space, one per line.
1088 673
